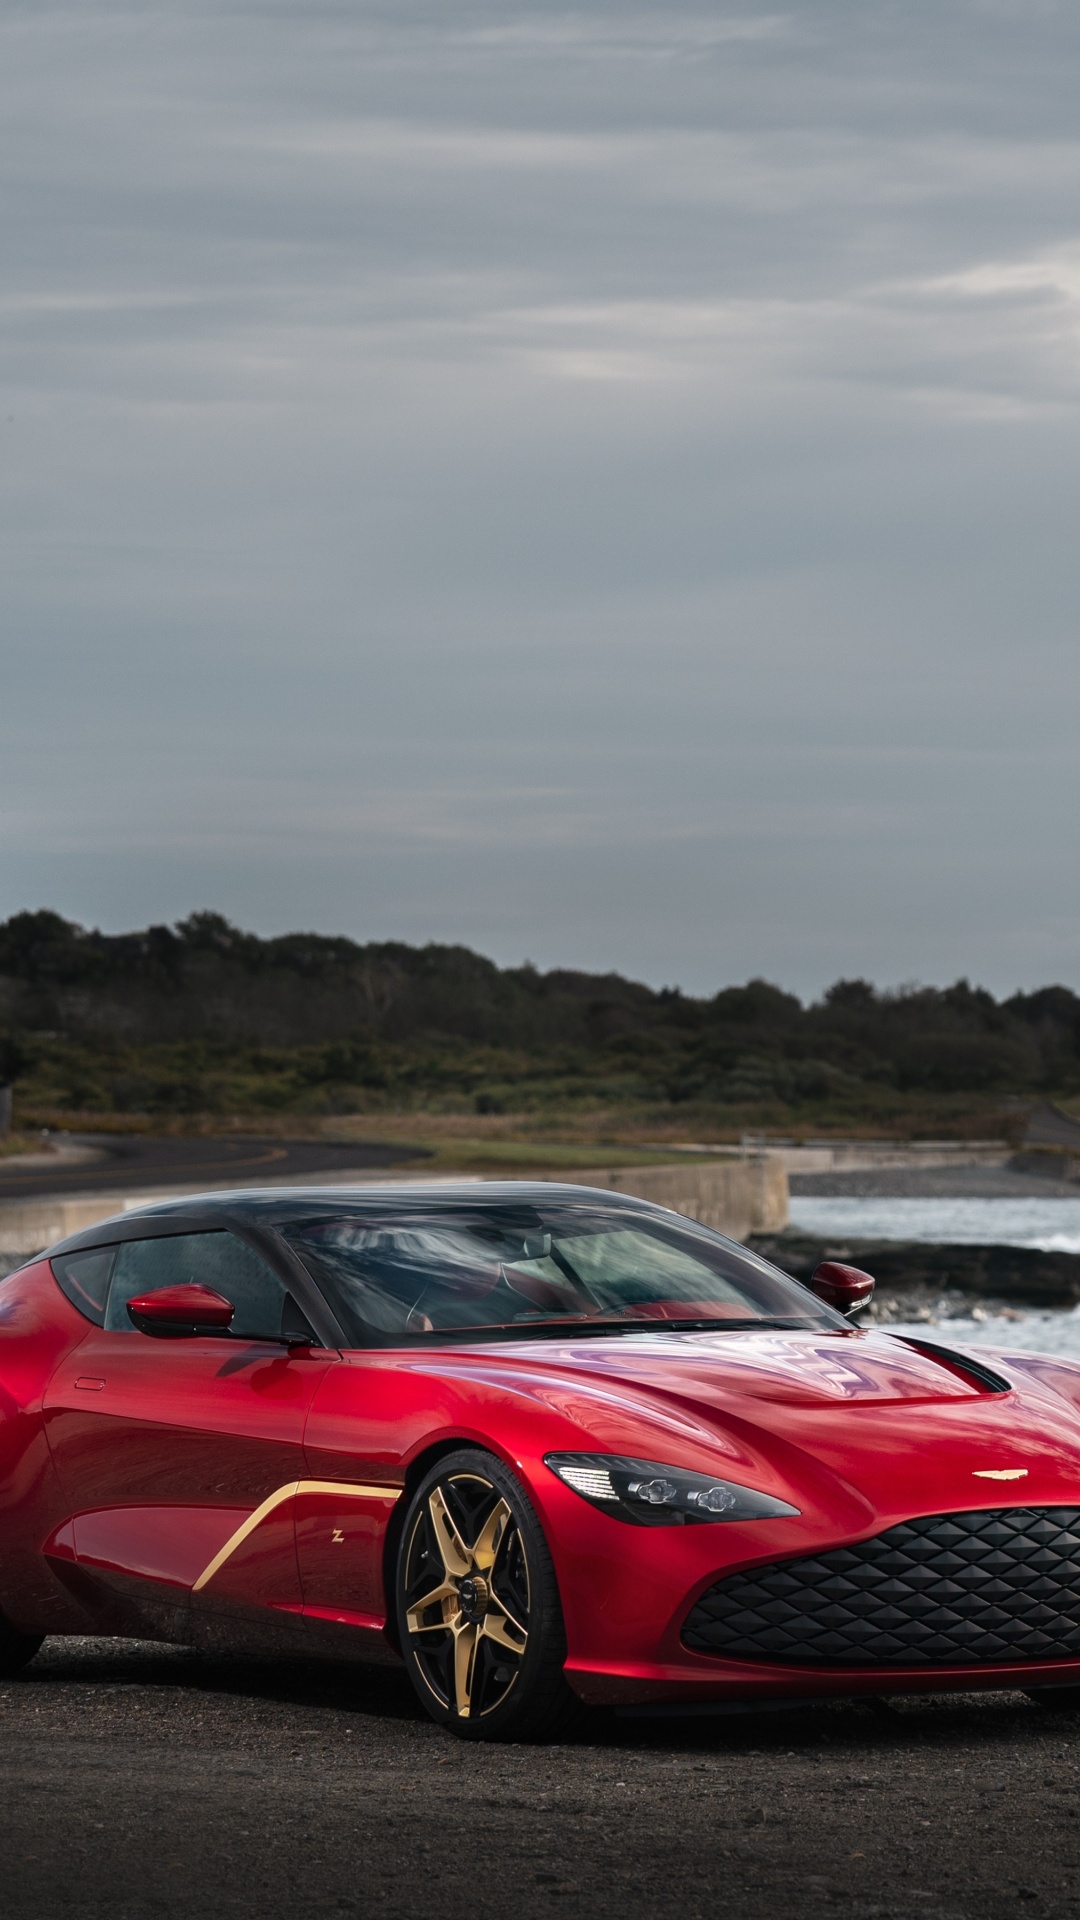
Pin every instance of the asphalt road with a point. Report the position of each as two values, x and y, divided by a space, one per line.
148 1783
136 1160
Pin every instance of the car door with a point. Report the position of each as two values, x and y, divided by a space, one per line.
180 1457
355 1441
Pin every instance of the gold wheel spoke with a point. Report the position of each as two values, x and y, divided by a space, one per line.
465 1642
444 1592
490 1537
455 1554
464 1610
503 1628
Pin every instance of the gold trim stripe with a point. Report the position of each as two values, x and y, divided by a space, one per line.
277 1499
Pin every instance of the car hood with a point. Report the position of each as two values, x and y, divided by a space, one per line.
791 1369
863 1425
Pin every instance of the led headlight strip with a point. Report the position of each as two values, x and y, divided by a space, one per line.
648 1494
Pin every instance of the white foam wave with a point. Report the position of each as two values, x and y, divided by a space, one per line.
1056 1333
1050 1225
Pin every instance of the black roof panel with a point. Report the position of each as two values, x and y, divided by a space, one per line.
269 1206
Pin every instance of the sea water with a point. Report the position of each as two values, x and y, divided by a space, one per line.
1049 1332
1052 1225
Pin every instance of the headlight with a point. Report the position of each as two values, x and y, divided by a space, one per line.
650 1495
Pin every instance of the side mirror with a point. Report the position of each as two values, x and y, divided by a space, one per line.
178 1313
845 1288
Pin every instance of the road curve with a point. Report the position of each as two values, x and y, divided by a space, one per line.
136 1161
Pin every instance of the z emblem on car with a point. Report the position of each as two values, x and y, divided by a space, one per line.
1000 1473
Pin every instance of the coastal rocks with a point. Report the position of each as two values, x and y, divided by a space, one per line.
1023 1276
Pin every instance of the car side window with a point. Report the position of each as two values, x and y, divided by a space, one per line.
218 1260
85 1277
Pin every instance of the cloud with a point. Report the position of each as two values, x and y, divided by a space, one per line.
669 36
593 483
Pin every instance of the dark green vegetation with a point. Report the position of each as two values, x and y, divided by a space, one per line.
204 1019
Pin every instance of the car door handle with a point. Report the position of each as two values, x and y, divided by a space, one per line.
89 1385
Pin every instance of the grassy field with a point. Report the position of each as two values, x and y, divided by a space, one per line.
575 1134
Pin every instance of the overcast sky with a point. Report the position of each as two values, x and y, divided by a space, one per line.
598 485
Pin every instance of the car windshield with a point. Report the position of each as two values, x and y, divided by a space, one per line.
435 1275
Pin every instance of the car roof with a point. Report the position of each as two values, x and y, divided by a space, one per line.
272 1206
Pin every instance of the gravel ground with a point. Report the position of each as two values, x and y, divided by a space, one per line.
142 1781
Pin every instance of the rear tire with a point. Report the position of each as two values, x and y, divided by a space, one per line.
478 1615
16 1649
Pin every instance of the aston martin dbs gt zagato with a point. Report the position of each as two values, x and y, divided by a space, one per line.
541 1444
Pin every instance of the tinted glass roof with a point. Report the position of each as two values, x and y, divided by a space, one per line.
267 1206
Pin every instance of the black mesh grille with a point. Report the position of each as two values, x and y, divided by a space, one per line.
952 1589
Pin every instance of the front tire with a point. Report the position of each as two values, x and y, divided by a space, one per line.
479 1620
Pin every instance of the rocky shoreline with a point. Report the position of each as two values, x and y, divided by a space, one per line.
923 1280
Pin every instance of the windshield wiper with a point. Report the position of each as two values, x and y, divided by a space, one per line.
572 1327
707 1326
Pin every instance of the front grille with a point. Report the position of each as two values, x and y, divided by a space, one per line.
952 1589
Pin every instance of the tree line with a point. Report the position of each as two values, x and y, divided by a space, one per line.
120 1015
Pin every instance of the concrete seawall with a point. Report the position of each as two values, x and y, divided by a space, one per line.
28 1225
736 1196
862 1156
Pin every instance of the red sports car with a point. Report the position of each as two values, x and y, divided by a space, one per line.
541 1444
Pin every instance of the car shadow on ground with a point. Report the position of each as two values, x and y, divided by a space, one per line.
379 1694
162 1783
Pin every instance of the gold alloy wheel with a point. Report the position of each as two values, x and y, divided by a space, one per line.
467 1595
